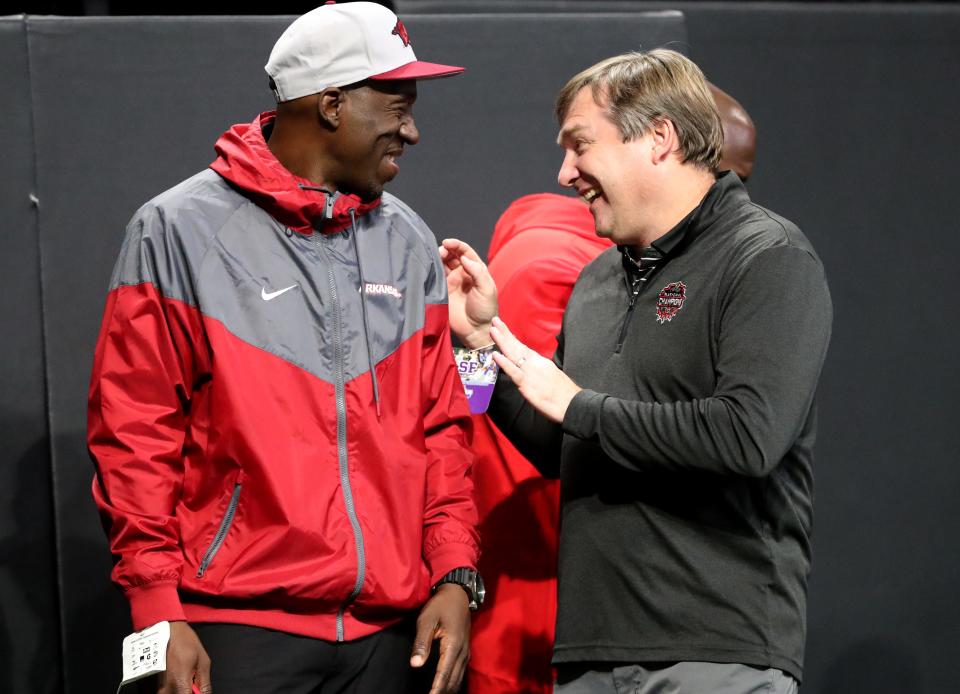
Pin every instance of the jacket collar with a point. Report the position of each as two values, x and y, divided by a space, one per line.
246 162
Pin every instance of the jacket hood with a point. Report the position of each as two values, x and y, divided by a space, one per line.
544 212
540 244
245 160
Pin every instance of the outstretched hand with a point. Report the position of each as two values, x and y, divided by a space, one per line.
472 293
539 380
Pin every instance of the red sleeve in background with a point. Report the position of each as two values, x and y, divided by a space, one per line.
539 246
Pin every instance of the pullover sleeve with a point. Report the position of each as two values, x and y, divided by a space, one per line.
450 538
774 327
536 437
145 365
532 302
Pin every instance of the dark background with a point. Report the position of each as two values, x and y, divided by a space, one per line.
856 109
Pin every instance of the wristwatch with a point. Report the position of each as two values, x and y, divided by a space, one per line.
470 581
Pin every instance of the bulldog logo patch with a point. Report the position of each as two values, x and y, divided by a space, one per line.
670 301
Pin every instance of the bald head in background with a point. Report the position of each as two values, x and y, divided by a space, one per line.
739 134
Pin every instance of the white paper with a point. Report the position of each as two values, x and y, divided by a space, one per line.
145 653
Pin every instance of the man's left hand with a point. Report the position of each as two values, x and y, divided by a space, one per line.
446 617
539 380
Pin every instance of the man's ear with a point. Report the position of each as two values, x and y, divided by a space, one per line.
330 107
664 139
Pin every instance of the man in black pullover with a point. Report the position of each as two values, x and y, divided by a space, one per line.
679 409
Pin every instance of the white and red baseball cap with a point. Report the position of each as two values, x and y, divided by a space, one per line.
336 45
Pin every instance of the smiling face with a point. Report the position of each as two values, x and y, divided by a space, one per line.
611 175
377 125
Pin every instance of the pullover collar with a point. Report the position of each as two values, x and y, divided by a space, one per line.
728 191
246 162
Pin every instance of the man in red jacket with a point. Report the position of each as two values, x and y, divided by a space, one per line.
279 431
539 246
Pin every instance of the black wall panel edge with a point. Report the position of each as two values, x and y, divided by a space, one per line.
54 517
30 619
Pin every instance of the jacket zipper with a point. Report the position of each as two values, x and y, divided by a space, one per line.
222 531
342 441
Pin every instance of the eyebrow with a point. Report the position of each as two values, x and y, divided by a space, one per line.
569 133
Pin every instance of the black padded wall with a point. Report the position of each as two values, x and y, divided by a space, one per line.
858 133
29 603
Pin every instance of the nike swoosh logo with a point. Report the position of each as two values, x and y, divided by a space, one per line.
267 296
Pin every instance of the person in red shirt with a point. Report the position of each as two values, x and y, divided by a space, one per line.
539 246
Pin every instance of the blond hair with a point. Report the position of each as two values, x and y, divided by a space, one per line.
639 89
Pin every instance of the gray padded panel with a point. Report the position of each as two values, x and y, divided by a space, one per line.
29 614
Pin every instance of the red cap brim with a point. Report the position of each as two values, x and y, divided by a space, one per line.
418 70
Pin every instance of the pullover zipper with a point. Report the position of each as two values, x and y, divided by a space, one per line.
640 272
342 459
634 293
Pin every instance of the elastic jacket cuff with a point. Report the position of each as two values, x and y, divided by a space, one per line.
154 602
450 556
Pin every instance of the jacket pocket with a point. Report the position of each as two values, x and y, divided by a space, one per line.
222 531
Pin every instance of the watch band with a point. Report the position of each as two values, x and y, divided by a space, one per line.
470 581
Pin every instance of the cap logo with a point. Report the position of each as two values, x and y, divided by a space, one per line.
670 301
401 31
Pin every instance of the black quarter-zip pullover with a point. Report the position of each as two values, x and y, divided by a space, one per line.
685 463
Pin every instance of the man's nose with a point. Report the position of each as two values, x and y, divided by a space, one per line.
568 173
409 132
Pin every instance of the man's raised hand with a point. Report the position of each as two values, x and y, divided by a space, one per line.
472 293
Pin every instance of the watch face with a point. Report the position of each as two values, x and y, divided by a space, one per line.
481 590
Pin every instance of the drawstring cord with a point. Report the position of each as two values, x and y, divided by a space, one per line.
363 304
328 214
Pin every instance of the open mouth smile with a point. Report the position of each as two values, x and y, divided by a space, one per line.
590 195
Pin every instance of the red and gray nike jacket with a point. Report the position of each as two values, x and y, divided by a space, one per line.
280 435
